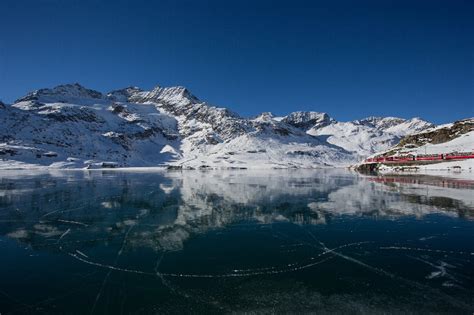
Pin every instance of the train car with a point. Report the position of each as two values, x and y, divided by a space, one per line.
372 160
429 157
421 157
459 155
404 158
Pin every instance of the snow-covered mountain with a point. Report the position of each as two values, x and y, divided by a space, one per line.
72 126
367 136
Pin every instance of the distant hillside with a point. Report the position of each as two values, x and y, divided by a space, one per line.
438 135
444 147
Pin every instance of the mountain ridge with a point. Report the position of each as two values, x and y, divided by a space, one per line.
169 126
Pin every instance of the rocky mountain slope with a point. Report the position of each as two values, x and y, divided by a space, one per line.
449 138
70 126
448 135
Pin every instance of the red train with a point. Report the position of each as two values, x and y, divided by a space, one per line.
421 157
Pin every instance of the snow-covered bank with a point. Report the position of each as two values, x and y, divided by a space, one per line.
454 169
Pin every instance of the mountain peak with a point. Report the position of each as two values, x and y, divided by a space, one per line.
175 94
265 116
308 120
123 95
61 93
395 124
379 122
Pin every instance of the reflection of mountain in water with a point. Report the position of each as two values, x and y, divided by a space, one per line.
162 210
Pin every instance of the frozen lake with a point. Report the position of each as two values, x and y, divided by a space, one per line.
111 242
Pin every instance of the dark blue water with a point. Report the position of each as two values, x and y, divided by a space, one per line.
222 242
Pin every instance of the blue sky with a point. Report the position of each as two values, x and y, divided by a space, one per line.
349 58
